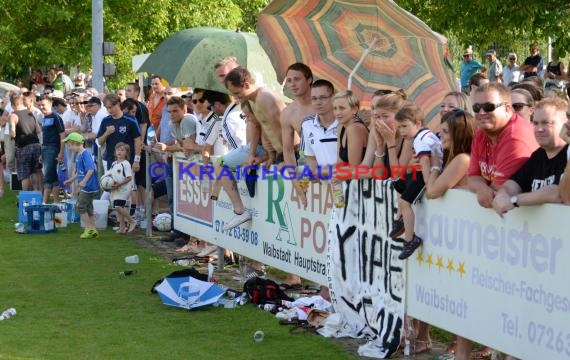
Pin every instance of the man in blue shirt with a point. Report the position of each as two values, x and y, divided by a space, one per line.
468 68
117 128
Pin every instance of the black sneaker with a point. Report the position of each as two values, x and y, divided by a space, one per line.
410 247
397 228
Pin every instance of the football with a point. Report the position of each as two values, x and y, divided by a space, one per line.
162 222
107 182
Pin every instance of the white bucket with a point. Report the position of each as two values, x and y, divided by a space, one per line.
101 211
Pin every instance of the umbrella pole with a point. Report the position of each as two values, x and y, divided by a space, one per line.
364 55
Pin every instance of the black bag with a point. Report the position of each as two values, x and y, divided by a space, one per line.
264 291
181 273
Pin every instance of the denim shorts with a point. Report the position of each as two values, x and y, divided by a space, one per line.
238 156
49 160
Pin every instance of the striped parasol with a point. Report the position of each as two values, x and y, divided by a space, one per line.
397 49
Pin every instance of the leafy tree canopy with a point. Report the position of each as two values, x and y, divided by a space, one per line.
44 33
506 24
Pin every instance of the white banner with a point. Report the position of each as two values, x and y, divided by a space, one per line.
282 233
366 279
502 282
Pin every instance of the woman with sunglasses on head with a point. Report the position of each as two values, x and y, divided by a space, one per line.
451 101
523 103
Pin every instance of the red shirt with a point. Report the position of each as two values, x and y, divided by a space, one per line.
155 112
497 162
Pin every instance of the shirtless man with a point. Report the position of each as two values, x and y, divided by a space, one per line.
298 80
267 107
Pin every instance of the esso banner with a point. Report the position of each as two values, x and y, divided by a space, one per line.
282 233
191 202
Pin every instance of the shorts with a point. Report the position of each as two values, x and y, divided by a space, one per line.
49 161
85 203
159 188
28 160
140 176
237 157
120 198
409 188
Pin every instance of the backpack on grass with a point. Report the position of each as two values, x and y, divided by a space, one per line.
264 291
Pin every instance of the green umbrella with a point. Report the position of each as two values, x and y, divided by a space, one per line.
187 58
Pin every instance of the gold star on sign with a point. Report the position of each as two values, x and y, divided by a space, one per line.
439 262
420 257
461 269
429 260
450 266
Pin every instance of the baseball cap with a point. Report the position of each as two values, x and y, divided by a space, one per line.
491 52
94 100
74 136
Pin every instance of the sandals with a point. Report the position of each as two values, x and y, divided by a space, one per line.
188 248
422 346
290 287
483 353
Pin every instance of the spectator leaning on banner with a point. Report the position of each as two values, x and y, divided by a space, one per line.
503 142
536 182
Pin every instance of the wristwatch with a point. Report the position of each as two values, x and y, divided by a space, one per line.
515 200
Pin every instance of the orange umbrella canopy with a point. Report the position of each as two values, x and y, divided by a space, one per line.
331 36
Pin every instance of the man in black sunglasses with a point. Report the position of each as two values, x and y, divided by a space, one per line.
502 143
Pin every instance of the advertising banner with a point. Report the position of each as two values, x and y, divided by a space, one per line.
500 281
282 233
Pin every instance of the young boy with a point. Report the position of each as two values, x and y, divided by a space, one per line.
86 175
410 125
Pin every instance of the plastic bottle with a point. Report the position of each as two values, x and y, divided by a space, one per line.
258 336
338 195
304 181
150 136
62 167
35 216
410 340
205 185
8 313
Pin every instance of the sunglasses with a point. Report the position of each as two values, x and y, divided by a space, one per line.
512 58
519 106
201 100
466 55
487 107
460 112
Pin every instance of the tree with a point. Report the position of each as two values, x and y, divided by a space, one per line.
487 22
43 34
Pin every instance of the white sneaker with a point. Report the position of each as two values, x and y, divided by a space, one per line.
237 220
208 250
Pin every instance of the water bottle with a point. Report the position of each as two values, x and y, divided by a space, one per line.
25 206
338 195
62 167
35 216
205 185
304 181
150 136
409 348
8 314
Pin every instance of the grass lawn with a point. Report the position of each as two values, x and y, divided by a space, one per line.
72 304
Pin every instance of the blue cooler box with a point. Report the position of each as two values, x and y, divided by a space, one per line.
41 218
25 199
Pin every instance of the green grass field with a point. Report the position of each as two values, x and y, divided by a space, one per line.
72 304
